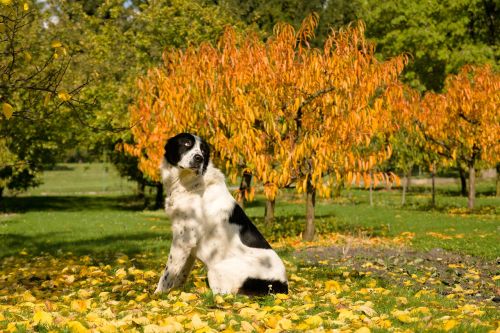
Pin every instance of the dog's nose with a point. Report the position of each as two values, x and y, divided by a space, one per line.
198 158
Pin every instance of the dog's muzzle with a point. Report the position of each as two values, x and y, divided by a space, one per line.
196 162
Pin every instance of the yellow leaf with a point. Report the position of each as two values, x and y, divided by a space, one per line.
405 318
450 324
64 96
272 321
367 310
421 309
26 7
186 297
42 317
8 110
246 326
402 300
219 316
80 305
141 297
282 296
332 285
27 297
109 329
77 327
55 44
82 293
11 327
27 56
141 321
347 314
363 329
197 322
248 312
150 274
285 324
314 321
296 278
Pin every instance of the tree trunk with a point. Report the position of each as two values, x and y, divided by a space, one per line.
498 180
310 205
433 179
472 187
141 187
406 185
371 190
269 212
463 181
159 199
245 185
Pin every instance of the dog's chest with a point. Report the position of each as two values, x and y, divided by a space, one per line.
181 203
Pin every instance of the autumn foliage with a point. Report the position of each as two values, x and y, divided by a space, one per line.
464 122
285 112
460 126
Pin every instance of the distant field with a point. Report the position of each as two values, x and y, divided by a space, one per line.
82 179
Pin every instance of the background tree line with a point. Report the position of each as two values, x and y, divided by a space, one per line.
69 68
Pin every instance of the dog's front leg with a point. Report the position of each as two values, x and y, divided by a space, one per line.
180 262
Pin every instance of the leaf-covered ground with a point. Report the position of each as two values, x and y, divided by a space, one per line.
358 285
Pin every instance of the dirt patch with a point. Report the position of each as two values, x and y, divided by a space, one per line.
446 272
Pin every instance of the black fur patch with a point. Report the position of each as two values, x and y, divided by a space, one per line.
205 151
178 146
258 287
249 234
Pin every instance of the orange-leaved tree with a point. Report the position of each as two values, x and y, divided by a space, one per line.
285 112
463 123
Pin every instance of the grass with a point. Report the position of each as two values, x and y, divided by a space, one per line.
84 230
82 179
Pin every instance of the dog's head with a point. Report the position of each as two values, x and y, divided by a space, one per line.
188 151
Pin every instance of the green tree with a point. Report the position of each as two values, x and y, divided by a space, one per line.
263 15
35 125
48 48
441 36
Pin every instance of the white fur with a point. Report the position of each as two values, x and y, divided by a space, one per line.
199 207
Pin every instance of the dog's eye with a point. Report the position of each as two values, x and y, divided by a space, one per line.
188 143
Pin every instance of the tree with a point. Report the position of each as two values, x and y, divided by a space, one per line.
463 123
282 110
35 124
53 47
441 36
264 15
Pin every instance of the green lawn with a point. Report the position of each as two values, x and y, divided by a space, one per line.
84 230
82 179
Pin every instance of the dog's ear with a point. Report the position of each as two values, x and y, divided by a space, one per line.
172 149
176 146
171 152
205 149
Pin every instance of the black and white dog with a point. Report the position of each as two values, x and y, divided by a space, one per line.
208 224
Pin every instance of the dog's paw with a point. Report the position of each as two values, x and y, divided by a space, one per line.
160 290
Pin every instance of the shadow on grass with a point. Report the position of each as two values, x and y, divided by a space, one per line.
69 203
103 247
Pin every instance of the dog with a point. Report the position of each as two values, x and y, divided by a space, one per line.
208 224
